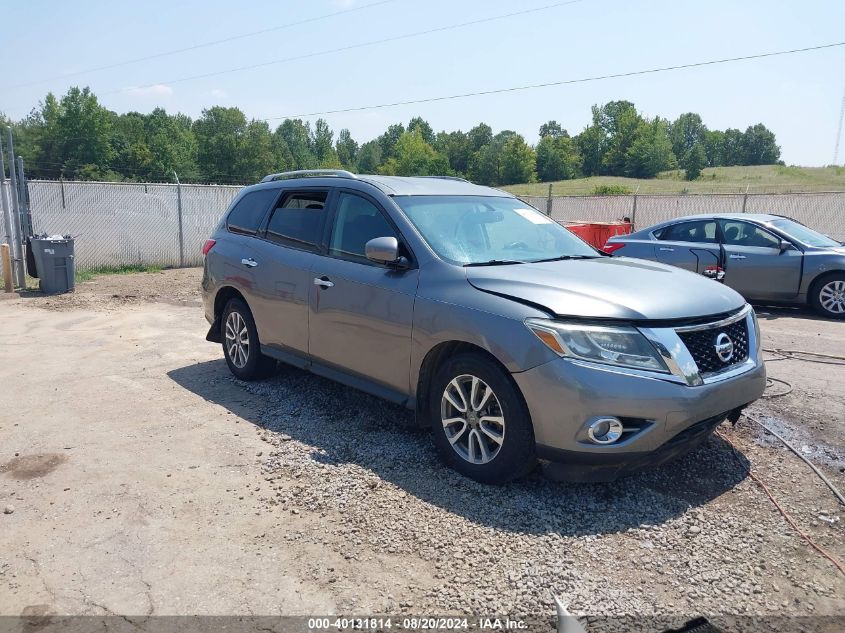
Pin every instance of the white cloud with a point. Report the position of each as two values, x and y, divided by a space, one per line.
219 93
156 90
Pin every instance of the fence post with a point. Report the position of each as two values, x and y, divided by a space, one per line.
179 214
549 202
18 254
26 212
634 210
745 198
7 219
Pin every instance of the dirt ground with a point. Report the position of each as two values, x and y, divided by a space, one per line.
137 477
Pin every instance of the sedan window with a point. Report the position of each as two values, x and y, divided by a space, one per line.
737 233
697 231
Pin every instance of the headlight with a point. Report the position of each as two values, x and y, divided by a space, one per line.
620 346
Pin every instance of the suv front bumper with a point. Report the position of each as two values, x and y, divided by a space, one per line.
562 396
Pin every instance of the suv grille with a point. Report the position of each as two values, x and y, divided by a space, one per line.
702 345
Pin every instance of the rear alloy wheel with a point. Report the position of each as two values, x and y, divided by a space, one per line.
240 344
479 420
828 296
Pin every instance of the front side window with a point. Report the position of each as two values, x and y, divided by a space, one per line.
248 212
357 221
472 230
298 220
737 233
699 231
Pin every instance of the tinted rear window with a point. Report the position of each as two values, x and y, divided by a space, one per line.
249 211
298 220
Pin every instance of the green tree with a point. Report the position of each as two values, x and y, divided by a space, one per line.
323 145
651 150
621 124
457 148
591 145
485 164
694 161
553 129
557 158
218 132
714 144
347 150
71 136
518 161
759 146
733 151
479 136
414 157
418 123
388 140
685 132
295 135
369 157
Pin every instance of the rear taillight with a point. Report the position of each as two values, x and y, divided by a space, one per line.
207 246
612 247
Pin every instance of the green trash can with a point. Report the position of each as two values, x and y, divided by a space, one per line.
54 263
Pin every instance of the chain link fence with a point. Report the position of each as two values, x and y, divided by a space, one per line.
120 224
823 211
123 224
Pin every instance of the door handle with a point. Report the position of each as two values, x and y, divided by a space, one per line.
736 256
323 282
664 248
249 262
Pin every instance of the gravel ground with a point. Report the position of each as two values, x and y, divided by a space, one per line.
371 518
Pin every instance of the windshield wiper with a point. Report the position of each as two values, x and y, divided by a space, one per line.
561 258
495 262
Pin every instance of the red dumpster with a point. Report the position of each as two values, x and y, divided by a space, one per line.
597 233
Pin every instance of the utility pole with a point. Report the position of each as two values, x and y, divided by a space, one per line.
839 130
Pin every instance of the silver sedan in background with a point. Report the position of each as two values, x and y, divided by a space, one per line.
766 258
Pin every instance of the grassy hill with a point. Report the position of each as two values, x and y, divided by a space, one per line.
758 179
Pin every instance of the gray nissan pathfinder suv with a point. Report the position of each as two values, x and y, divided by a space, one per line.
509 337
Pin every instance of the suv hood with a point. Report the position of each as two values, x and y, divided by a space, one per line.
608 288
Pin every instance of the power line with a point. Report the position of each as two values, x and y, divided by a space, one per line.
562 82
350 47
202 44
464 95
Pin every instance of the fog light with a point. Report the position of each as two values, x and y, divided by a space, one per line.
605 430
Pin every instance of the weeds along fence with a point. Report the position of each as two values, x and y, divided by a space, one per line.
119 224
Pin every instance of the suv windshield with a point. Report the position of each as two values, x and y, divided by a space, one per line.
471 230
804 234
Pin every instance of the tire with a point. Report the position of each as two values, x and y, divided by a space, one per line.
827 296
242 353
461 445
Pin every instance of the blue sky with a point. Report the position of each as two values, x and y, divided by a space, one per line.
798 97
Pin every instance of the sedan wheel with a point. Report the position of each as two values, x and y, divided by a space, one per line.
472 419
832 296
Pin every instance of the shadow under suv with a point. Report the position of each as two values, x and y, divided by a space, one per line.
509 337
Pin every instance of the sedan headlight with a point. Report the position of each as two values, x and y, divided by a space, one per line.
611 345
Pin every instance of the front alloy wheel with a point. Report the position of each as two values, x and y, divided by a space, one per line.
479 419
472 419
832 296
827 295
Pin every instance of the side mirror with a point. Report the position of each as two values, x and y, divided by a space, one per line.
784 246
385 250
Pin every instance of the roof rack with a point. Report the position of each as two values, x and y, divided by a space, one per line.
309 173
448 178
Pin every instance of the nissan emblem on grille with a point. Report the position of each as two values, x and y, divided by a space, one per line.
724 347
